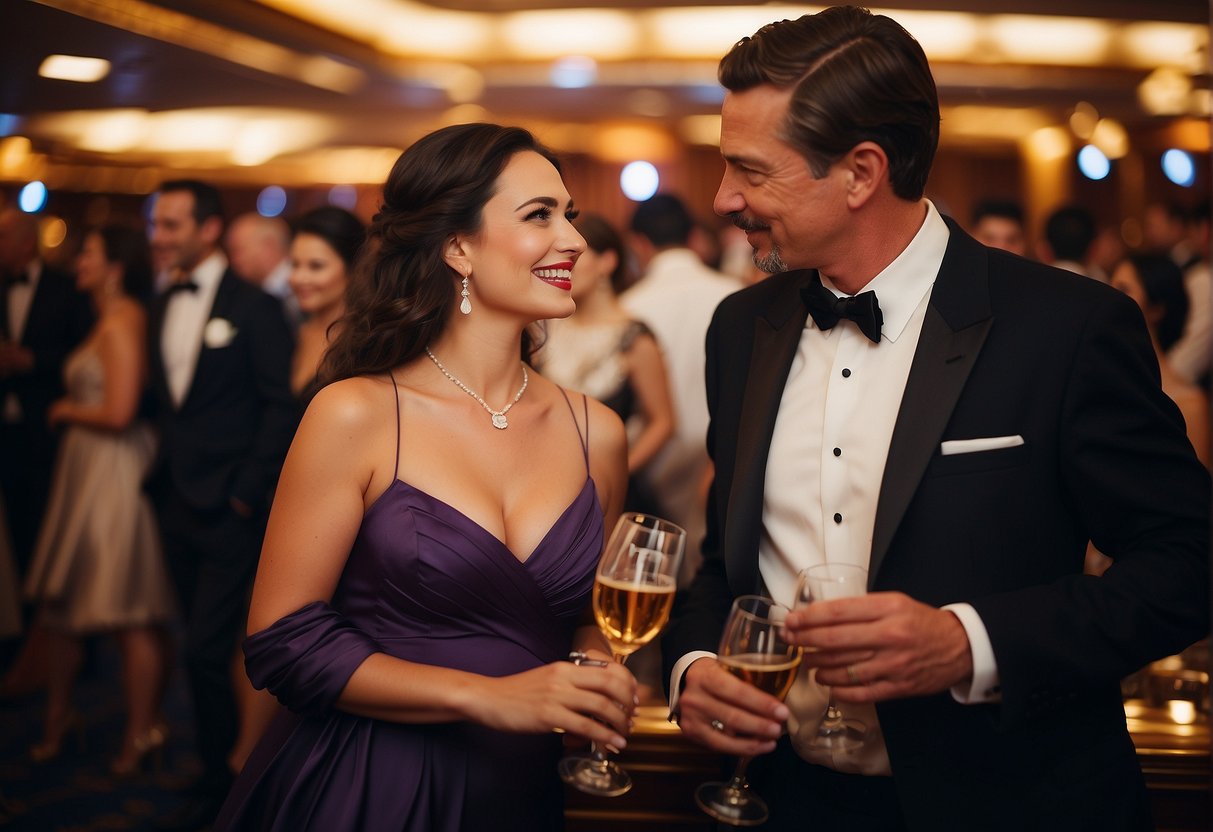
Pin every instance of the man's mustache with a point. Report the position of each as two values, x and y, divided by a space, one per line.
746 224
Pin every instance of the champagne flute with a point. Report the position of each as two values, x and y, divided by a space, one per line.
753 649
633 596
825 582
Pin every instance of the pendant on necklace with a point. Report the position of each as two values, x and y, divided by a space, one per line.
499 421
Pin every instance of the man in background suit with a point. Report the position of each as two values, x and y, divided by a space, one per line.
42 319
957 420
220 357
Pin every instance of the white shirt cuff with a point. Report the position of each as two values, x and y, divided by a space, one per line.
680 669
985 685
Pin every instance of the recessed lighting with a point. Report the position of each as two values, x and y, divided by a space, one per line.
74 68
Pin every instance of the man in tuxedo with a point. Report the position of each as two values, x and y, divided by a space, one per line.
42 319
955 419
220 358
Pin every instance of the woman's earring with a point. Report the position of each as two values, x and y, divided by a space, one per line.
465 305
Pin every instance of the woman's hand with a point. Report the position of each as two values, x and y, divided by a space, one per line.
588 701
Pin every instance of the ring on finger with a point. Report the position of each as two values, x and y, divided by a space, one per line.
851 675
717 725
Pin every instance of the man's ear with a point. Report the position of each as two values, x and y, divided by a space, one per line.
867 170
211 230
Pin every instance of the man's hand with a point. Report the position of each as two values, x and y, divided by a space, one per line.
720 711
881 646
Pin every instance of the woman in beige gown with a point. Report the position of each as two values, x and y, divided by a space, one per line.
97 566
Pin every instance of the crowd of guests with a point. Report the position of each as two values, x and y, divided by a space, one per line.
149 401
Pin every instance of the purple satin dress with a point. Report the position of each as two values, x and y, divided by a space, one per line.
424 583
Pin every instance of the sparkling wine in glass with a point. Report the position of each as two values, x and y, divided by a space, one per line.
752 649
826 582
633 596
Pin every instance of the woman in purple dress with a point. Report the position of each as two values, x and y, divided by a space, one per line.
433 541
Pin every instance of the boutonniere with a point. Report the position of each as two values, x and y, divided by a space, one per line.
219 333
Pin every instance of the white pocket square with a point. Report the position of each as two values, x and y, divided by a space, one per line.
972 446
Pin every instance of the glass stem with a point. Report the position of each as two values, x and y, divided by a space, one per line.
833 717
738 785
597 753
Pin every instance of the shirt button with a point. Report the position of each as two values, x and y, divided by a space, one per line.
846 373
837 518
838 452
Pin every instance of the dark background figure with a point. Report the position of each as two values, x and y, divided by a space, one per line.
220 361
998 223
1069 233
42 318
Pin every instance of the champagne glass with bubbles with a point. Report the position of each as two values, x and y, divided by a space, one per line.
753 649
633 596
826 582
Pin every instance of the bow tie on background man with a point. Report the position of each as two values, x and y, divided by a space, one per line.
828 309
15 278
181 286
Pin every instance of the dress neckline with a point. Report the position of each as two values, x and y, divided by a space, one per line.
588 485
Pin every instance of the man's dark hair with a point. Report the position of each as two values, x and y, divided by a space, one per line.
1006 209
854 77
1069 232
207 202
664 220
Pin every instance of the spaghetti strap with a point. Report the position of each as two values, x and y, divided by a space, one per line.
585 438
396 390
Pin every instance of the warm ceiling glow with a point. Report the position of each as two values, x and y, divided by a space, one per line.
1181 45
1048 144
1083 119
115 131
626 142
1069 41
599 33
708 33
700 130
991 123
74 68
1165 92
944 36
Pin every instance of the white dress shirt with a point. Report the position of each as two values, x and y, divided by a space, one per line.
20 296
1190 355
826 464
184 319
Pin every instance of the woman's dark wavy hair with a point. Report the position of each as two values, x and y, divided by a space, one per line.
1163 282
403 291
127 246
855 77
343 232
601 236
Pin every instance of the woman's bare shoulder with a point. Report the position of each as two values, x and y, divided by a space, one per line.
352 405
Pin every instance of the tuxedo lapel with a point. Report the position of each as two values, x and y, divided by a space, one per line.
957 321
777 331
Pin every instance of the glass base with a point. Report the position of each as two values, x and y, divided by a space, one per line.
843 735
599 777
735 807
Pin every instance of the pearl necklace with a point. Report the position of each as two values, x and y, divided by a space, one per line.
499 420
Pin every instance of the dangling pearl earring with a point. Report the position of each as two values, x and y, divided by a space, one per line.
465 305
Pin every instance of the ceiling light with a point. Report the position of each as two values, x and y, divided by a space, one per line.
1083 119
639 180
32 197
598 33
1179 167
1093 163
1165 92
74 68
1111 138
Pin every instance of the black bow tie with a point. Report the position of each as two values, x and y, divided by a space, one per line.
182 286
828 309
16 278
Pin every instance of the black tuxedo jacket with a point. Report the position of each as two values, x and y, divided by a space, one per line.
1008 347
230 434
58 320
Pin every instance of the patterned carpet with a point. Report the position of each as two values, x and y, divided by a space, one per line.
75 792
